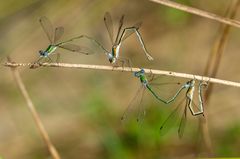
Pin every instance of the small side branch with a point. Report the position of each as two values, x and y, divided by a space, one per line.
128 69
35 115
198 12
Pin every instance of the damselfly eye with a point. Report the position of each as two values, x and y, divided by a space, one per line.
41 52
142 70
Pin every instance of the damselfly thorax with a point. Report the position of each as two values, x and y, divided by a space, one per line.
50 49
190 91
141 75
114 54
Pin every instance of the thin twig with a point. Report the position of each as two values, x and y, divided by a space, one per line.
206 135
214 61
129 69
218 52
35 115
198 12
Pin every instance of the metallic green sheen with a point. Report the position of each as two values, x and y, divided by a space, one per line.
51 49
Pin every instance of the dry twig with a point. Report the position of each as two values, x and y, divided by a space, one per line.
35 115
213 63
128 69
218 50
198 12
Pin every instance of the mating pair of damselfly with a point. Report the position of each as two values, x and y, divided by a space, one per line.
189 86
113 55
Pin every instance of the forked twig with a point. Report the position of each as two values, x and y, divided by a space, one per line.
35 115
198 12
129 69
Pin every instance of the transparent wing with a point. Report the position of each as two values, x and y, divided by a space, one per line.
171 120
76 48
182 123
119 28
47 27
58 34
130 32
109 25
131 108
141 109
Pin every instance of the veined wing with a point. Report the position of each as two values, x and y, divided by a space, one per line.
182 122
131 108
47 27
76 48
90 39
109 25
119 29
171 119
131 31
58 34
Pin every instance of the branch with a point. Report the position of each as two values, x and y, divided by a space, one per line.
218 50
198 12
129 69
35 115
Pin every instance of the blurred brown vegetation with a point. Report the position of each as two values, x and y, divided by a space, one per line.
81 109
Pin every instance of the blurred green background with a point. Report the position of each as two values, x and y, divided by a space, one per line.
81 109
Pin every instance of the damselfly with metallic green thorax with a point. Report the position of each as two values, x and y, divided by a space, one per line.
149 85
195 109
122 34
53 37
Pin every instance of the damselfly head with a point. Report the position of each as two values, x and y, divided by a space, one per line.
190 83
111 58
139 73
142 70
41 53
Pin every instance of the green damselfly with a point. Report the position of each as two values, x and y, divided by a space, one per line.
54 36
149 84
122 34
195 109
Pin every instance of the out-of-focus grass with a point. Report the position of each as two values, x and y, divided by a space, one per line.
81 109
228 138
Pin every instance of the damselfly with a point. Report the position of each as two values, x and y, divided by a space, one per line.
195 109
53 37
149 85
122 34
